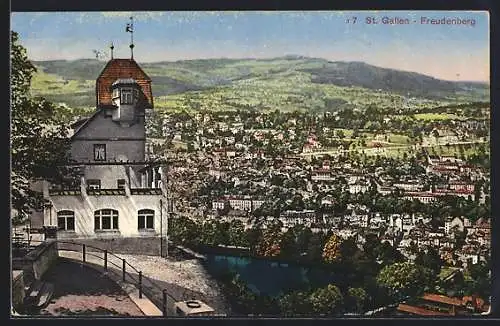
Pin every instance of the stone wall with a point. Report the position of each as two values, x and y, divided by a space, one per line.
37 261
17 289
133 246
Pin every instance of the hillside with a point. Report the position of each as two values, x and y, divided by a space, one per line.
285 83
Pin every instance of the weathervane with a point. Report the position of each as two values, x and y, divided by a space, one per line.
98 54
130 29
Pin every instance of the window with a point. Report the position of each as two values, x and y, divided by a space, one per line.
136 93
66 220
106 219
146 219
121 183
126 96
94 184
99 152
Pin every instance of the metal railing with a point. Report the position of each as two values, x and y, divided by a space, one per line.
122 268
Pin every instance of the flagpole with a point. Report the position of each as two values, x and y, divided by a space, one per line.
132 37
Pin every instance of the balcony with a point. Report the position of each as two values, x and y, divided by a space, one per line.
106 192
67 192
145 191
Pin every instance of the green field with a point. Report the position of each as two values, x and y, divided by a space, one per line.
398 139
51 84
455 150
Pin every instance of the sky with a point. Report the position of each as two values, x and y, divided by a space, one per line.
445 51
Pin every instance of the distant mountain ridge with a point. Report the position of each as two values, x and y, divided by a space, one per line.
174 77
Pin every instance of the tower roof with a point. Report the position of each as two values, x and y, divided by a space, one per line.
121 69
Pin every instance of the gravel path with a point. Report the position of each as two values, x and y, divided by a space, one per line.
184 280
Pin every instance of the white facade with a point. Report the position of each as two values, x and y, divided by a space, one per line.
119 193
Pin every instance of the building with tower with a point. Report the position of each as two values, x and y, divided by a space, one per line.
120 193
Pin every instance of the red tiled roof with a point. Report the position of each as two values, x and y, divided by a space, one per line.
420 311
479 302
320 170
442 299
119 69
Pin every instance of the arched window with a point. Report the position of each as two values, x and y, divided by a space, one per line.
66 220
145 219
106 219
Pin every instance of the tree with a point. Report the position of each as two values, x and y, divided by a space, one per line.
348 249
254 235
404 279
237 235
431 260
288 246
357 298
184 231
295 241
388 254
315 246
269 245
331 251
214 233
296 303
327 301
481 279
372 242
39 142
241 297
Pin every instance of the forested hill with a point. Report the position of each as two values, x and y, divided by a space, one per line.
73 81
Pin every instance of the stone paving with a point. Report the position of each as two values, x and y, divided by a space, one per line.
183 279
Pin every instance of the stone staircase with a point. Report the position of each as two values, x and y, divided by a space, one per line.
38 295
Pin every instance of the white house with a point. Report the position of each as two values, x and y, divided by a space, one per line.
119 193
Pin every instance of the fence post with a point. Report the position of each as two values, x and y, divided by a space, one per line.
140 285
123 270
83 252
164 302
105 260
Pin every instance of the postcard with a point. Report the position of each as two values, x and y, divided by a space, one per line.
250 164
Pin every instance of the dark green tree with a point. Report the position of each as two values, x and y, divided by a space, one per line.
327 301
237 235
404 279
430 259
295 304
480 283
39 142
254 235
356 299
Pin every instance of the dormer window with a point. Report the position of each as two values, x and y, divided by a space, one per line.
126 96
